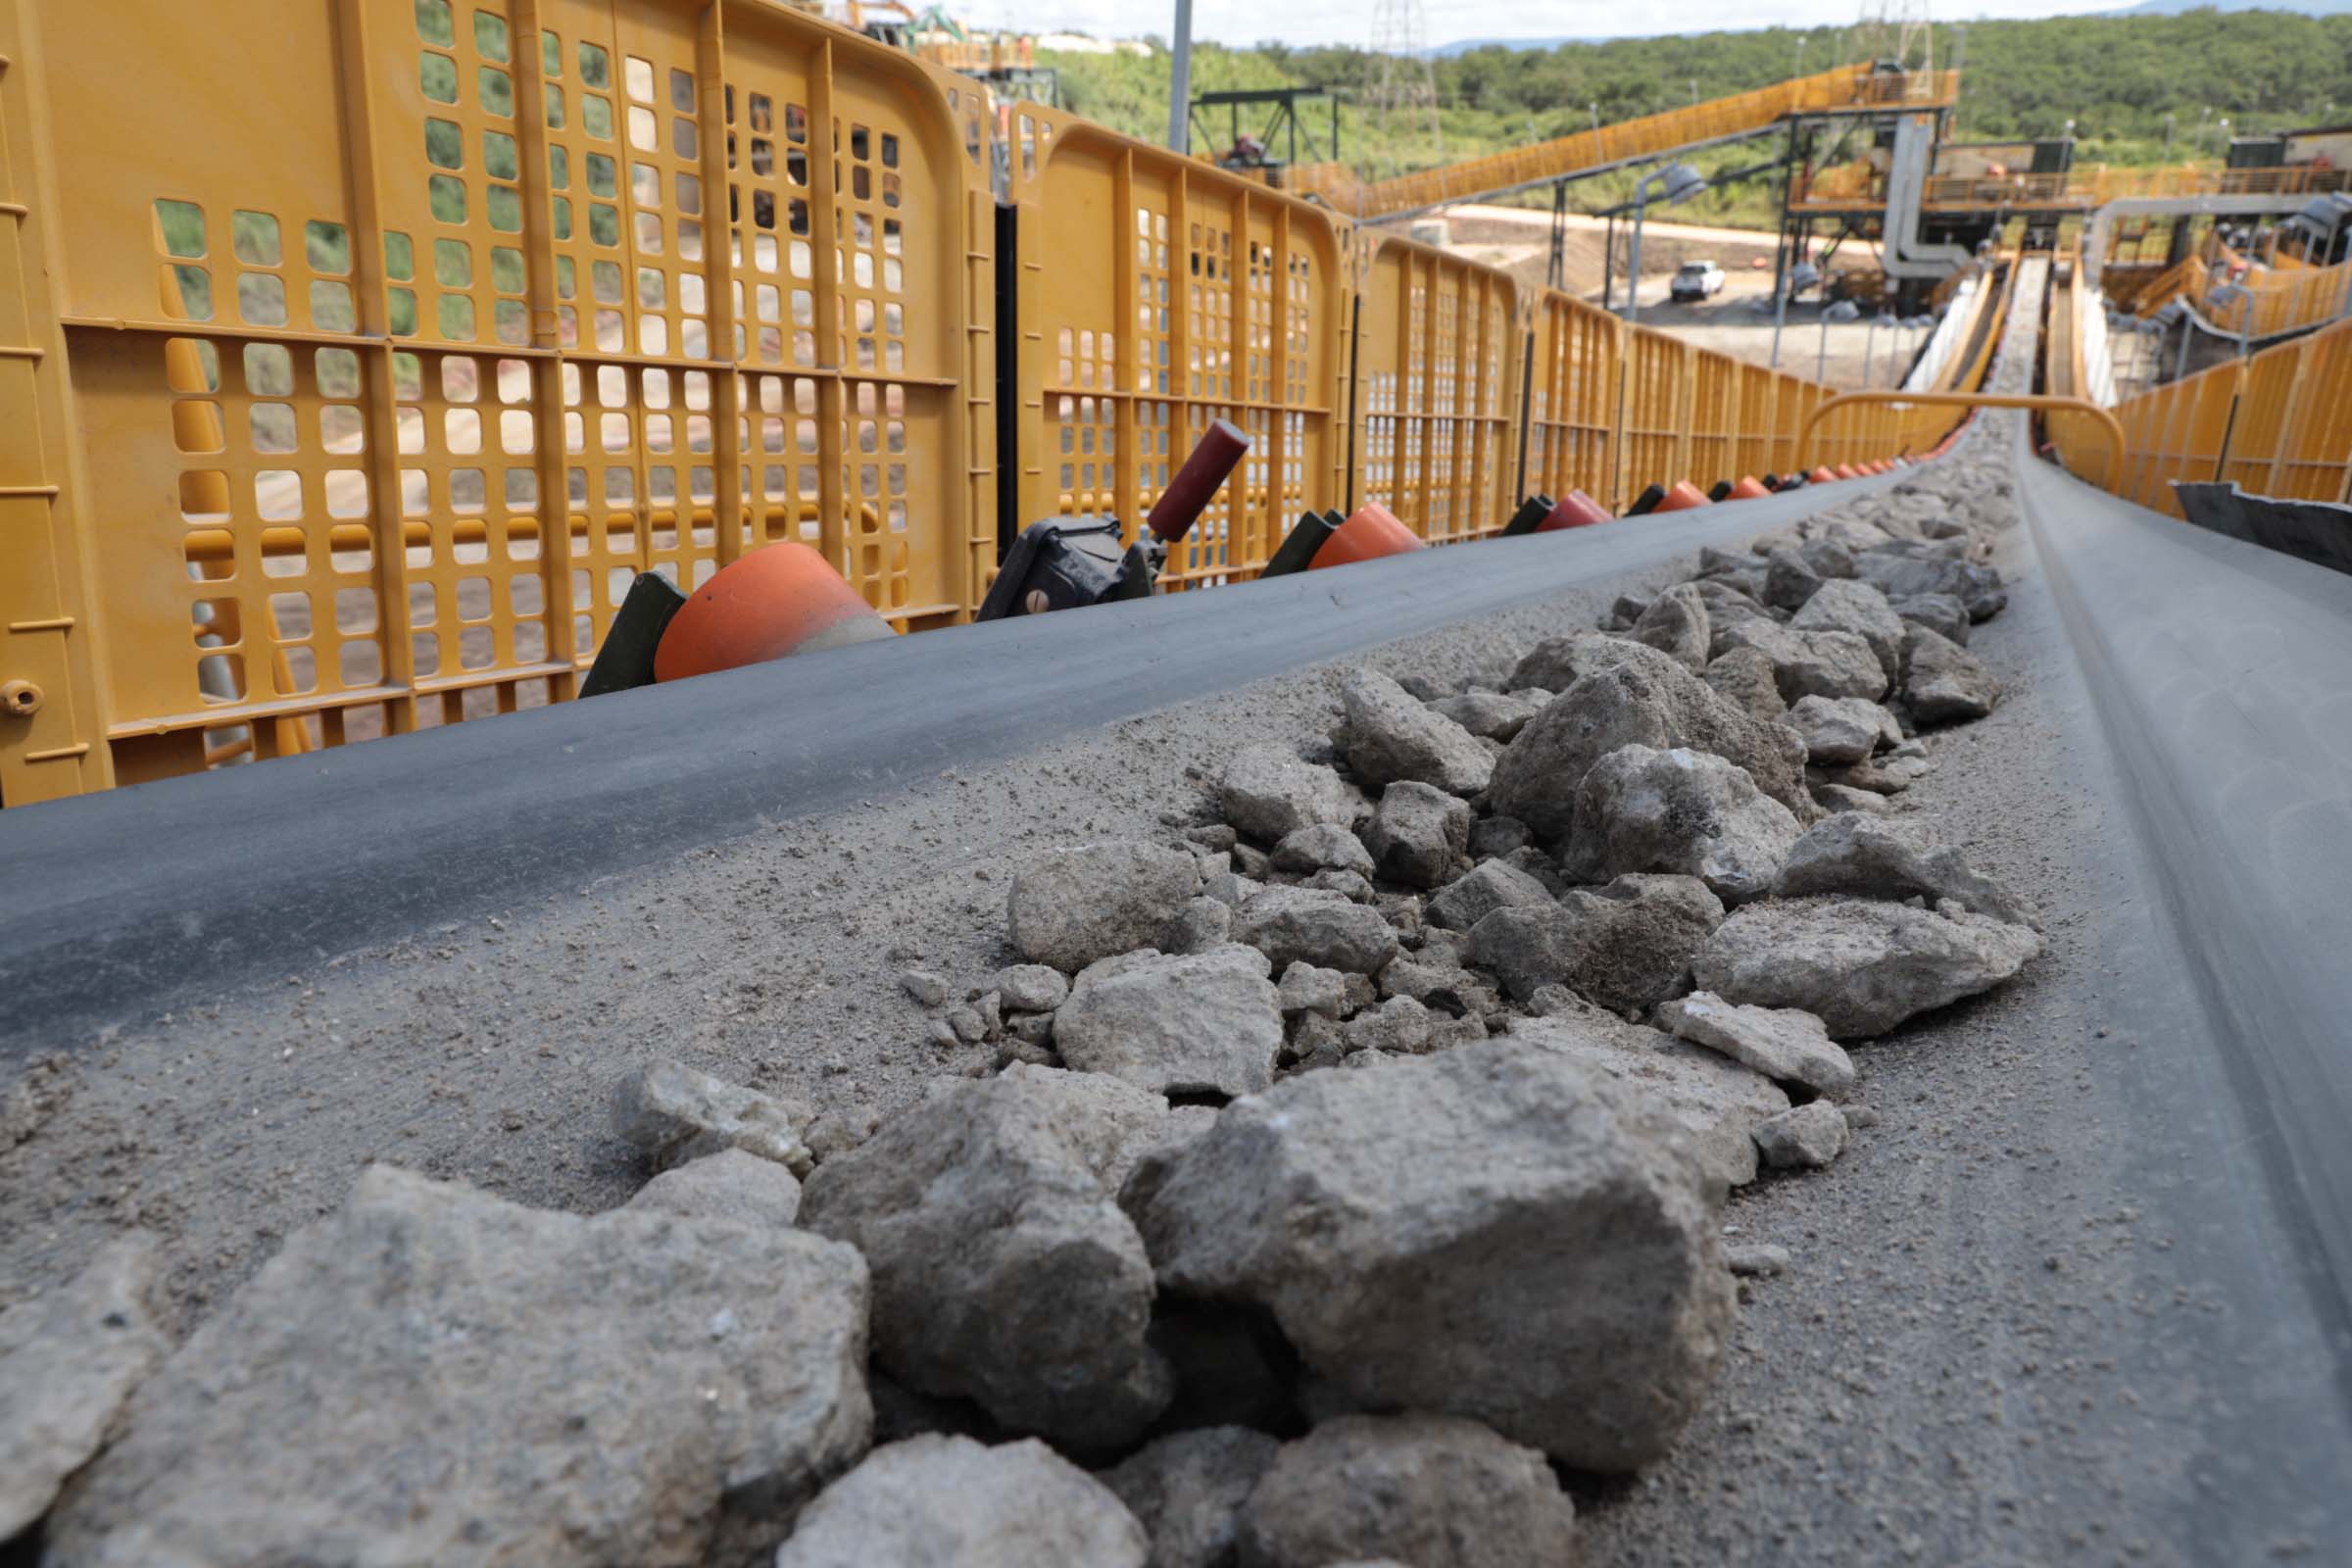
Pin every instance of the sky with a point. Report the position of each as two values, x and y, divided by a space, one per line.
1309 22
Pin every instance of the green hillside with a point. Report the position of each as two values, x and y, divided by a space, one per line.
2115 76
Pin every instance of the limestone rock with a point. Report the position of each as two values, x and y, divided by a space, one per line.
1811 664
1322 846
1004 1270
1418 833
1558 662
1789 580
1427 1489
1885 858
1941 613
434 1374
1805 1138
1304 988
1839 730
1198 1024
1269 792
1188 1488
1476 894
1627 944
1646 699
1493 1231
1290 925
1745 679
671 1114
731 1185
1690 813
1718 1101
1861 967
70 1360
1490 716
1388 736
1898 575
1860 609
1780 1043
1845 797
936 1502
1945 683
1030 988
1677 624
1070 906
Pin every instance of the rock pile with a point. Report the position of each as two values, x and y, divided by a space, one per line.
1349 1158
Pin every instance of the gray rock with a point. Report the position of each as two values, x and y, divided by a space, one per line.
1861 967
1647 700
1860 609
1944 682
1888 773
1941 613
1719 1102
1839 730
1805 1138
1845 797
1188 1488
1755 1258
1031 987
1431 1491
1686 813
1269 792
1498 835
1810 664
1830 558
923 986
1004 1270
1727 604
1253 863
70 1360
845 1127
1398 1026
1492 885
1558 662
1350 885
434 1374
672 1113
1627 944
1899 574
1206 923
1305 988
1490 715
1881 857
1418 834
1625 609
1388 736
936 1502
1780 1043
967 1025
1495 1232
1789 580
1677 624
1214 837
731 1185
1231 888
1294 924
1321 846
1070 906
1745 679
1196 1024
1713 562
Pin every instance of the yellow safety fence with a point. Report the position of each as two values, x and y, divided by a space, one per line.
2279 423
358 413
2087 188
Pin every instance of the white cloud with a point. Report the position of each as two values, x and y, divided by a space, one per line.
1349 22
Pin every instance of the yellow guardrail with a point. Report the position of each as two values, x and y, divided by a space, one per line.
1649 136
2082 188
2279 423
360 411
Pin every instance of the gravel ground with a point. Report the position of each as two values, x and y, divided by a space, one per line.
1994 1346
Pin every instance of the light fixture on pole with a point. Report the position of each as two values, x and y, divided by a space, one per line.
1681 182
1843 312
1804 275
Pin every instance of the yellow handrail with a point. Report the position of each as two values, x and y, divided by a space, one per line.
1973 400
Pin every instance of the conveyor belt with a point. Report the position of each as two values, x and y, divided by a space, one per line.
120 903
